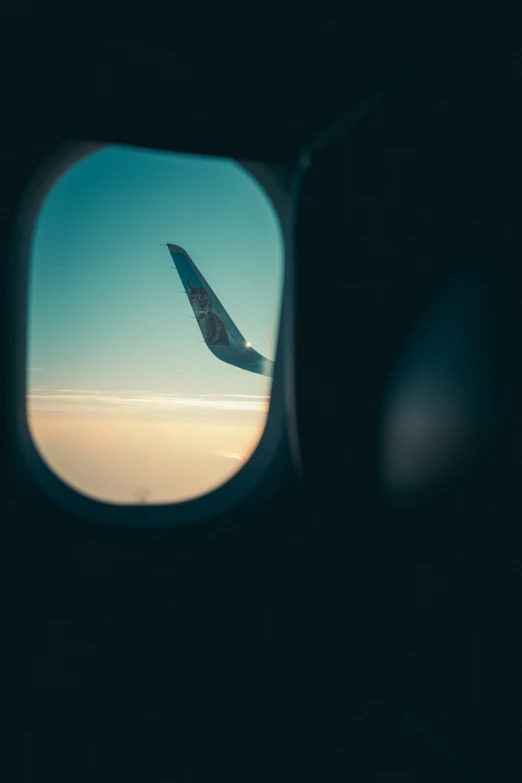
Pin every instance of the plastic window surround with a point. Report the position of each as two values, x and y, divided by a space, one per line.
267 461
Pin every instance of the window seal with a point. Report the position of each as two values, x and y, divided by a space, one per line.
270 458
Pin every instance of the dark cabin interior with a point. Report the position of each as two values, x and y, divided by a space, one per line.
336 624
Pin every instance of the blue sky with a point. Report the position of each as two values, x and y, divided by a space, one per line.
109 331
104 304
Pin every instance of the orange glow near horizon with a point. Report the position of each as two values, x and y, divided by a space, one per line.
114 460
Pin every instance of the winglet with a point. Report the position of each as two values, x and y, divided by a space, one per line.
220 333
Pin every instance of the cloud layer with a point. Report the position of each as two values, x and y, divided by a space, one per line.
67 401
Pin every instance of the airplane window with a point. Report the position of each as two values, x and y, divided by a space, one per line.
154 301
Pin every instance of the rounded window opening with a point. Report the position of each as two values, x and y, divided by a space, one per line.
154 300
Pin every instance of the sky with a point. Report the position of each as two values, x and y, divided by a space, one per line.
125 402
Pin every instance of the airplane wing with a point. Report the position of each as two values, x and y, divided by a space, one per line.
220 333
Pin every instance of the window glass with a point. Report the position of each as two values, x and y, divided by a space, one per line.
150 365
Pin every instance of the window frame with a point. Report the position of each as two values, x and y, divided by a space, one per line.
278 444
